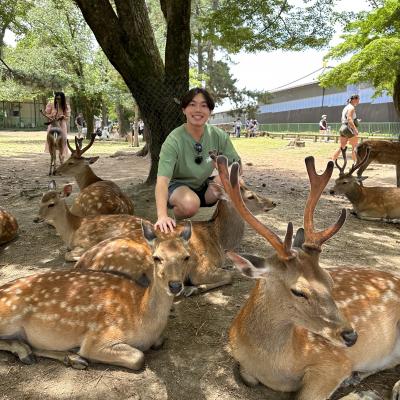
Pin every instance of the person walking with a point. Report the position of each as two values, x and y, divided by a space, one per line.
238 127
185 166
323 127
80 123
60 110
349 129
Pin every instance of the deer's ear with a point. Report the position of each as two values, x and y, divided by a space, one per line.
299 238
361 178
249 265
218 191
67 190
91 160
148 232
187 231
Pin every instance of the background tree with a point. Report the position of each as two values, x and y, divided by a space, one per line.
158 82
371 44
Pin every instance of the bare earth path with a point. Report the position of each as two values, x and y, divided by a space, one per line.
194 363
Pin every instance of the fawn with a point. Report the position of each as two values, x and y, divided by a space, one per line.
209 240
77 315
97 196
303 328
369 203
8 226
81 233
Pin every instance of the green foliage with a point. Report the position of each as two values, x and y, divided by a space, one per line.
254 25
371 44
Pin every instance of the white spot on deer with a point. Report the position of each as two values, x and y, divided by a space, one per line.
99 205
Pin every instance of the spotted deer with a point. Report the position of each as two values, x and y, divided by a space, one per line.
97 196
55 142
381 152
75 316
8 226
209 240
304 329
369 203
81 233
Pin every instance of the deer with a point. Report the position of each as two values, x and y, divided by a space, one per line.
81 233
97 196
8 226
380 151
55 142
76 316
369 203
305 329
209 240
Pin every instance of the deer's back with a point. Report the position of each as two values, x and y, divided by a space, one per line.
382 151
101 198
8 226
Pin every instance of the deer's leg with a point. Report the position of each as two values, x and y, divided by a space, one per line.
398 175
102 350
19 348
158 343
74 255
320 382
207 279
248 379
66 357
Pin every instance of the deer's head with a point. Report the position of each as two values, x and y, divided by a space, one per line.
171 256
51 201
76 163
302 289
346 182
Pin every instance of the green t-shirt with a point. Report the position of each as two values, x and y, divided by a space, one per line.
178 154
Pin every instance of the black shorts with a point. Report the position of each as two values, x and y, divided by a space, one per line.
200 192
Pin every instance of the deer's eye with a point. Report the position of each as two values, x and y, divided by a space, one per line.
51 205
186 258
298 293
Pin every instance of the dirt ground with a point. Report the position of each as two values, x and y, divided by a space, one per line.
194 363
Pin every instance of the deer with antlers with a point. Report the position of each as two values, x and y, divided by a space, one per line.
55 142
381 152
8 226
97 196
209 240
304 329
82 233
76 316
369 203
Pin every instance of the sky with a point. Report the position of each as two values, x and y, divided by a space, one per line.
268 71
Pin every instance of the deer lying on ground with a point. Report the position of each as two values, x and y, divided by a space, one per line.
97 196
55 142
81 233
303 328
209 240
8 226
381 152
106 317
369 203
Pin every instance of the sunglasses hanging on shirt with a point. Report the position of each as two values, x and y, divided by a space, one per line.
198 148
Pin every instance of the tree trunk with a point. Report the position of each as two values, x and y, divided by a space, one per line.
130 46
123 121
104 114
146 138
396 94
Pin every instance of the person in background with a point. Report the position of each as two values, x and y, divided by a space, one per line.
60 110
323 126
238 127
80 123
141 127
349 130
185 166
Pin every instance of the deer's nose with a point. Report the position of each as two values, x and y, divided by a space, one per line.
175 287
349 337
332 192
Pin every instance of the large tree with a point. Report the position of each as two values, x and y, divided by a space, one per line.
371 44
125 33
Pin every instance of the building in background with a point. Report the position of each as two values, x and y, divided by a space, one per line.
306 103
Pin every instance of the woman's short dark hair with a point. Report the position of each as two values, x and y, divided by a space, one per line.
188 97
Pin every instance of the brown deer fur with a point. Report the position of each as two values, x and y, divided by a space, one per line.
381 152
81 233
370 203
97 196
107 318
207 245
8 226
